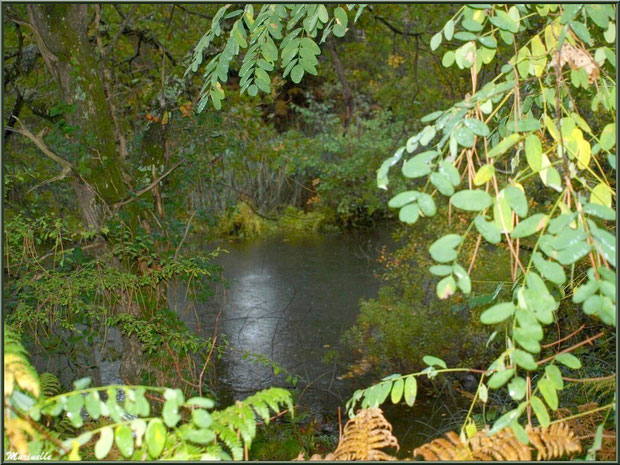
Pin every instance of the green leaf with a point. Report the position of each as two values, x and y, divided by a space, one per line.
464 136
525 340
409 213
573 253
517 200
506 419
442 250
581 30
484 174
568 360
402 199
497 313
418 165
608 137
442 183
464 281
524 125
540 411
341 16
448 59
297 73
434 361
170 413
498 379
471 25
124 440
516 388
550 270
435 41
503 21
547 389
599 14
441 270
488 230
81 383
488 41
446 287
471 200
584 291
529 226
156 434
601 211
104 444
201 418
504 145
524 360
520 433
427 204
93 404
570 11
555 376
397 390
339 31
200 402
410 390
448 169
448 29
533 152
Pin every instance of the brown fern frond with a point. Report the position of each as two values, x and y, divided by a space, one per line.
362 439
554 442
364 436
550 443
503 445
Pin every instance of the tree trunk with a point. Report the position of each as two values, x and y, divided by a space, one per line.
61 32
347 94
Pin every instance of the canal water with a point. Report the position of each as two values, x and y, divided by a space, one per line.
286 305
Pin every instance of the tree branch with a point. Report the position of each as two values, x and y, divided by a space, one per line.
143 191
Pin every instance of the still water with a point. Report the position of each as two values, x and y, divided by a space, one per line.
289 301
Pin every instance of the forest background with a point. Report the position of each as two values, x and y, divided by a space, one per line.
132 130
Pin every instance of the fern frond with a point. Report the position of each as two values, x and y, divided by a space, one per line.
50 385
550 443
554 441
17 367
364 436
17 431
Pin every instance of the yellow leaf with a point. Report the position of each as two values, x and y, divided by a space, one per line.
584 154
502 214
552 128
539 57
75 451
601 194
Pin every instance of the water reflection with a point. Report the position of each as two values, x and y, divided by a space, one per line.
290 301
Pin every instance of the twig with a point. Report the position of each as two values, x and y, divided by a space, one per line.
564 338
588 380
213 341
147 188
570 349
176 253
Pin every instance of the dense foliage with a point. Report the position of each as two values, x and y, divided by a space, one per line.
135 131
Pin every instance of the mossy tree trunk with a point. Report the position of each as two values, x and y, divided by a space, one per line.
61 32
